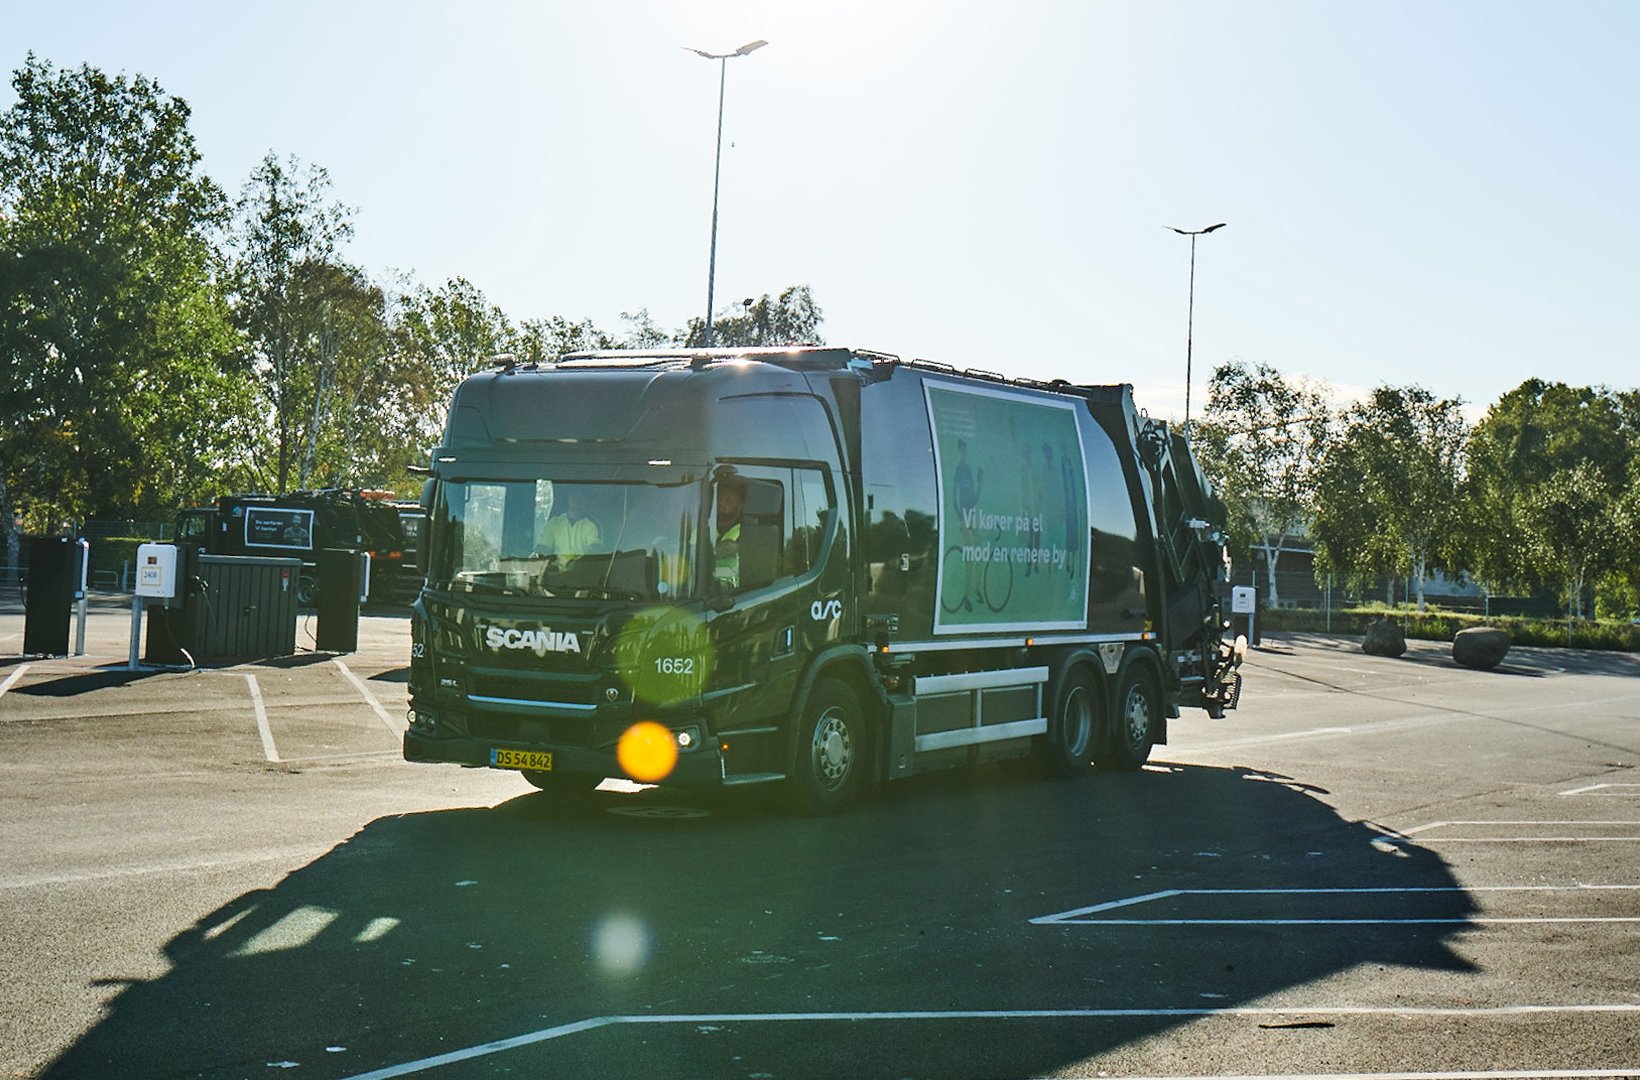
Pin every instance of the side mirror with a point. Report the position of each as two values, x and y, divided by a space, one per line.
424 527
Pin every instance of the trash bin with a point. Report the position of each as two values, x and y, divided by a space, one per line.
52 580
341 580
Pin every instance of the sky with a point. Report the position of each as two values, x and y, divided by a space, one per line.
1441 194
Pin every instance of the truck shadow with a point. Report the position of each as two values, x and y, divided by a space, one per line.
427 933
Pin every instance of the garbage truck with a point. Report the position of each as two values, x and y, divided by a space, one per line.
300 524
818 569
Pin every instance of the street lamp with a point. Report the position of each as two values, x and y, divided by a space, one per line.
1190 322
717 169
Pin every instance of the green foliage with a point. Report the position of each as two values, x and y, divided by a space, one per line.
1387 489
1551 488
1260 441
543 340
1614 636
791 319
284 270
116 396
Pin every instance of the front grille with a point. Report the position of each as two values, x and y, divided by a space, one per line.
534 688
574 731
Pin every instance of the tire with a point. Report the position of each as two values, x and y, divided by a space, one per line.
832 749
1074 725
1131 732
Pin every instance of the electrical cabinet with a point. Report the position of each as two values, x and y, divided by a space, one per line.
235 608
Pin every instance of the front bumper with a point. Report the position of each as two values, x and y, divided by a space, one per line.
698 768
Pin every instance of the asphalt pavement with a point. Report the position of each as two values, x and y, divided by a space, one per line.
1374 866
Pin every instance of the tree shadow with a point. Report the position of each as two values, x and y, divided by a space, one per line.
431 932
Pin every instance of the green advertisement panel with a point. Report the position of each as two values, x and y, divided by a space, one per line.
1013 520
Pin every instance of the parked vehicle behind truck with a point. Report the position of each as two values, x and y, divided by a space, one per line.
815 568
300 524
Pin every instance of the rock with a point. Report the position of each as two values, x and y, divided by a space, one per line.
1384 638
1481 647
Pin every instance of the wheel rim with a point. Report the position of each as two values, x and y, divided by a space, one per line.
833 749
1076 720
1136 715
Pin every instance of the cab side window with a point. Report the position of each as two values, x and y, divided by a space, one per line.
810 507
768 524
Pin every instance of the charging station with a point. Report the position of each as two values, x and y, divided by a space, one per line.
52 575
207 608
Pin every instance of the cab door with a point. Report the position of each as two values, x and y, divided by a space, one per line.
768 623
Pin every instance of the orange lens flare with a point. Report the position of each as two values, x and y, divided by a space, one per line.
647 752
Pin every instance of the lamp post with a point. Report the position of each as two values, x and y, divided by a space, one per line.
717 169
1190 320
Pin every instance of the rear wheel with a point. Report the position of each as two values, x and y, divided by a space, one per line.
831 749
1129 737
1073 726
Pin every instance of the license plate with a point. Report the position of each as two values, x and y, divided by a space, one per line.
538 760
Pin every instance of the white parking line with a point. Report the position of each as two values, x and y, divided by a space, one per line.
1581 790
12 678
1078 916
394 729
562 1030
1405 836
262 719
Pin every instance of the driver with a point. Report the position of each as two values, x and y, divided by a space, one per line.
571 534
731 497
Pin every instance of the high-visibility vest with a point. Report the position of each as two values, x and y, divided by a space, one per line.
571 539
726 558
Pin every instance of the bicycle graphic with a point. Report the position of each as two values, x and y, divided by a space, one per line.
995 578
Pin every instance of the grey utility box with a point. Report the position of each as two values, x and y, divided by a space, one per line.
235 608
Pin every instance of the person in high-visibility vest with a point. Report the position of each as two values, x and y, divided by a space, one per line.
571 534
731 496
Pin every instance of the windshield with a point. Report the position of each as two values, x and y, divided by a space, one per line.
564 539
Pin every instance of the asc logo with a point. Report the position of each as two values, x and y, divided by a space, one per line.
541 642
826 610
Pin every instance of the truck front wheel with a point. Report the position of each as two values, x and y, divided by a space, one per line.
1127 743
831 749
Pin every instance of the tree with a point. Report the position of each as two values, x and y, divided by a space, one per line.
117 393
1387 488
1520 486
438 337
544 340
285 230
347 384
642 332
1568 520
792 319
1260 440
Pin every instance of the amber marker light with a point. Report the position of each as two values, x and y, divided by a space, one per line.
647 752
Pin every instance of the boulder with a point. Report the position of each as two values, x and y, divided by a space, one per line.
1384 638
1481 647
